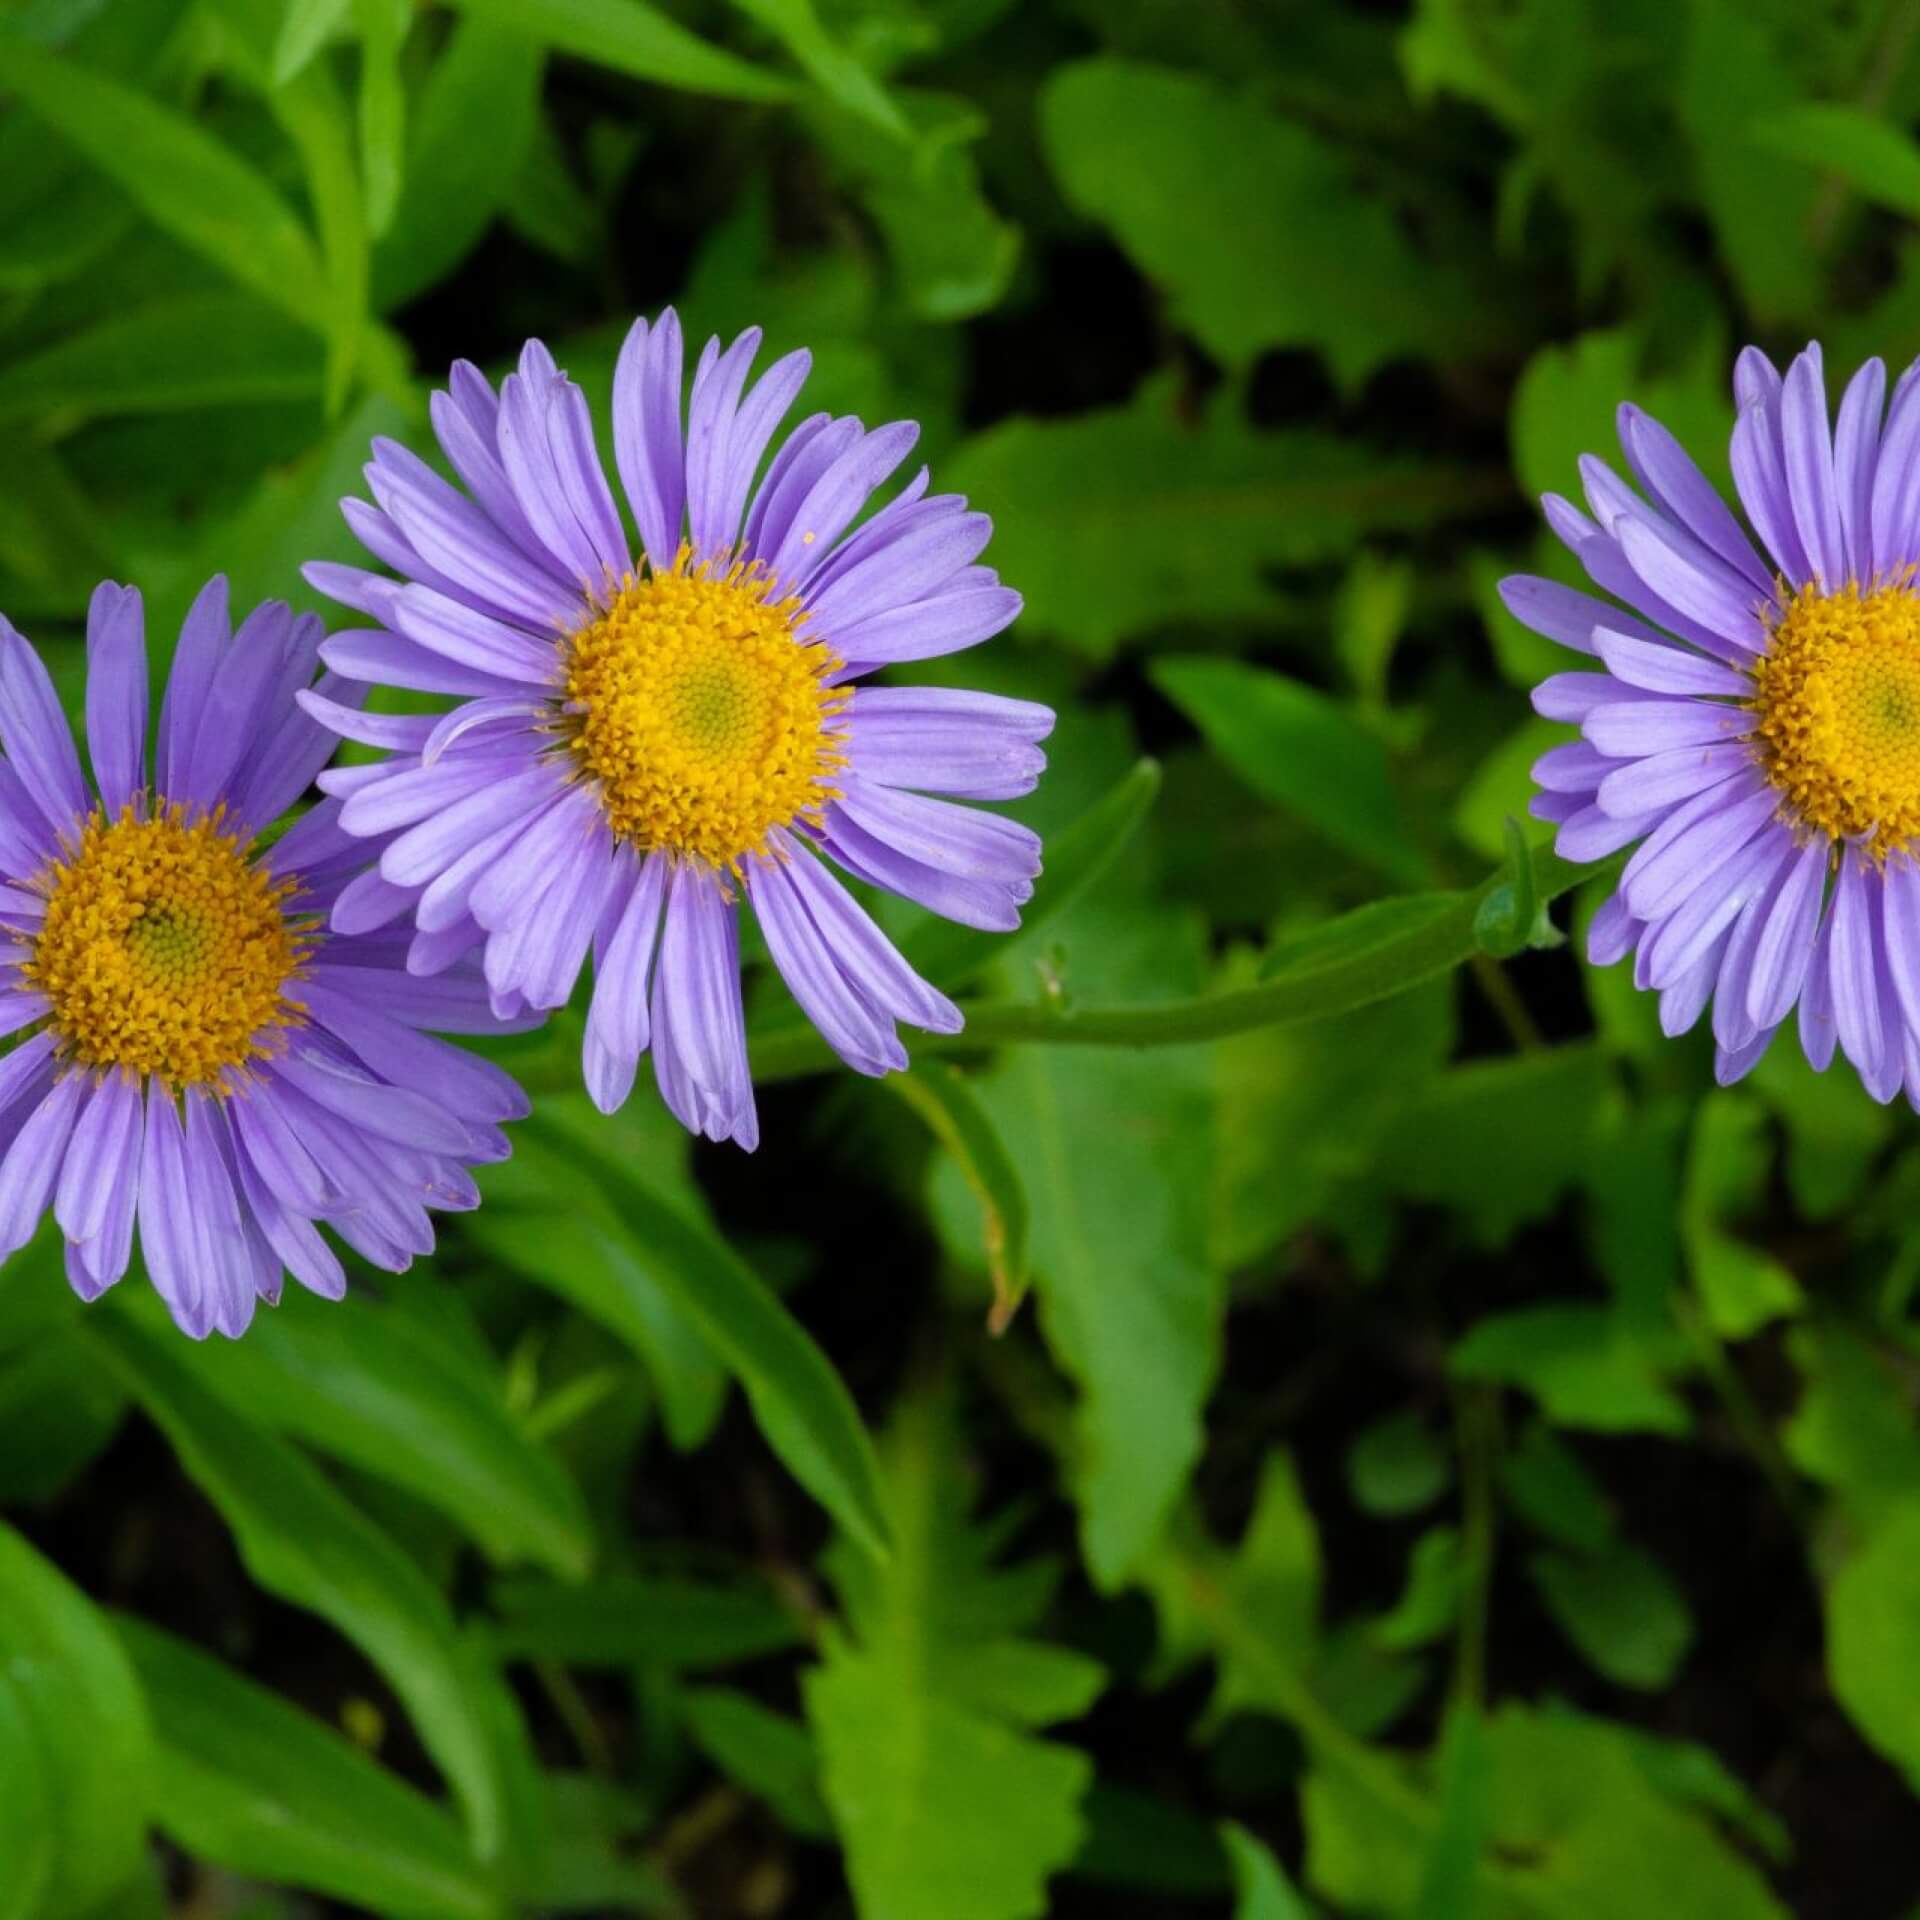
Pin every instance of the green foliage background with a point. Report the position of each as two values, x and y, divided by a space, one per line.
1454 1464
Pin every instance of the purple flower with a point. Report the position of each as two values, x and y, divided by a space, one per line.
1756 730
644 743
200 1054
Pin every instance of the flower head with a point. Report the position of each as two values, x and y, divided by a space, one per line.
648 740
1754 722
199 1053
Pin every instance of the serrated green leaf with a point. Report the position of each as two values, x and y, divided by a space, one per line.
769 1755
249 1783
304 1541
942 1802
1254 226
1116 523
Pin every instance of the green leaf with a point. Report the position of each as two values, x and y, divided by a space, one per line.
301 1539
1398 1465
305 28
1728 1166
1113 1152
1878 161
1363 930
1554 1492
1733 78
489 76
1430 1602
56 1414
190 351
769 1755
391 1393
1499 1141
1873 1636
1263 1890
1301 750
1581 1363
1252 224
27 1813
631 37
946 1101
74 1735
943 1801
1621 1608
828 65
249 1783
1853 1428
1119 523
802 1406
185 181
631 1620
383 107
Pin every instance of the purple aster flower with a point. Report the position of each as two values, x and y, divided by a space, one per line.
199 1054
1754 722
643 743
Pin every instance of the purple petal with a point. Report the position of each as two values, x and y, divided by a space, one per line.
1759 472
646 434
117 695
1808 455
1692 841
618 1027
1856 437
1628 729
699 1031
1786 943
32 1165
1661 668
1665 779
474 641
1669 474
976 746
1715 600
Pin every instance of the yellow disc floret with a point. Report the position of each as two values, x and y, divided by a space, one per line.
163 951
703 713
1838 699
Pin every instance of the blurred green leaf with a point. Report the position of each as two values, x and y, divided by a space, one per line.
184 180
626 1619
1264 1891
944 1801
1398 1465
1301 750
1742 1288
249 1783
801 1404
302 1540
1878 161
305 28
1735 77
1584 1367
57 1414
832 69
1119 523
1429 1603
74 1736
1873 1635
194 350
1254 226
769 1755
1621 1608
1554 1492
383 28
489 77
1854 1425
632 37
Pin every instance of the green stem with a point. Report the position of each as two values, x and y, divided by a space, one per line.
1311 992
1476 1412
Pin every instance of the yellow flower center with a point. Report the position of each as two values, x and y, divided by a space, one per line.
1838 698
163 951
703 714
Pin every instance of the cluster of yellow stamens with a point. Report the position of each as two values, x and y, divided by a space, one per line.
1838 700
163 951
703 713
